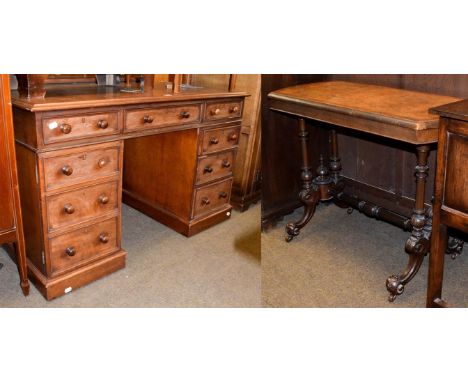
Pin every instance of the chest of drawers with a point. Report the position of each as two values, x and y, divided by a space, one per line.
80 156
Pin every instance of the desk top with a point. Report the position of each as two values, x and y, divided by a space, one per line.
393 113
82 96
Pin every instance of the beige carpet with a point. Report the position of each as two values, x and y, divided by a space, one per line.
342 260
219 267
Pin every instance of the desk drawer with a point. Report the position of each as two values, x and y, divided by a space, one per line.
80 205
83 245
66 128
212 197
143 119
81 164
215 166
223 110
219 139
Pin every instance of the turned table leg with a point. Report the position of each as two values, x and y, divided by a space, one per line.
417 246
335 169
309 195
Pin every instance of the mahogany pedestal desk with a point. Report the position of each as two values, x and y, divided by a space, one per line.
451 191
396 114
179 151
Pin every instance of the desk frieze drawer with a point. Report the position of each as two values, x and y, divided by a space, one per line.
81 246
77 206
82 164
223 110
219 139
215 166
212 197
66 128
144 119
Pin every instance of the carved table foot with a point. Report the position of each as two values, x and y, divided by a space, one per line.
454 247
309 198
417 249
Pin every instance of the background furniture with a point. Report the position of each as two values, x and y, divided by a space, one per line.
11 225
247 172
394 114
451 191
180 149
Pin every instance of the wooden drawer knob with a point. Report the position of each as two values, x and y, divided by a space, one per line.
226 163
233 137
68 208
147 119
208 169
104 237
65 128
205 201
223 194
184 114
214 141
102 124
70 251
103 199
234 109
215 111
67 170
102 162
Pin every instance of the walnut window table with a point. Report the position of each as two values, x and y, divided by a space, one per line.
399 115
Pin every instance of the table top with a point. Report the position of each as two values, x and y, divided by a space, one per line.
384 111
61 97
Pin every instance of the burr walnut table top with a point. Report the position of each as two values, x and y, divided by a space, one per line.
388 112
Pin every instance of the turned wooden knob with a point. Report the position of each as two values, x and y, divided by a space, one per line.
67 170
233 137
102 124
184 114
215 111
103 199
70 251
226 163
104 237
234 109
65 128
208 169
223 194
147 119
68 208
102 162
205 201
214 141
